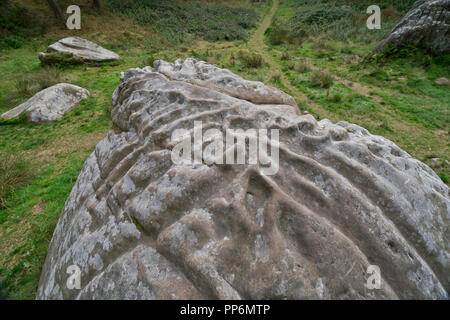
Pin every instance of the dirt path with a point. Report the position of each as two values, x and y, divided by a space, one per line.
257 40
257 44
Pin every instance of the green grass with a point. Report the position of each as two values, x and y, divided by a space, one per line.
320 79
48 191
302 67
13 171
250 59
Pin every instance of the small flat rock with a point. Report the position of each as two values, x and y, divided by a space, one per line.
82 48
49 104
442 81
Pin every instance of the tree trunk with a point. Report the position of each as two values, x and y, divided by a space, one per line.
425 25
55 8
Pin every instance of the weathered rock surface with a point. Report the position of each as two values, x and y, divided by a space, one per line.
49 104
442 81
81 48
223 80
140 226
426 24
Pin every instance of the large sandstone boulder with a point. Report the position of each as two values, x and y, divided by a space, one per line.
49 104
426 24
80 48
141 226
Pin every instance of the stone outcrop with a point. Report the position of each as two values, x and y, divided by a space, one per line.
224 81
442 81
82 49
49 104
140 226
427 24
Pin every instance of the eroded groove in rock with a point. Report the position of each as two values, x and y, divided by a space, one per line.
142 227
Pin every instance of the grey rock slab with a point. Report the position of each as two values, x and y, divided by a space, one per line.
85 49
49 104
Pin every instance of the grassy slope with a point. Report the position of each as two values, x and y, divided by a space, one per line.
55 152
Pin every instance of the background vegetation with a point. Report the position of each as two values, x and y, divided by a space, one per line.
182 20
17 24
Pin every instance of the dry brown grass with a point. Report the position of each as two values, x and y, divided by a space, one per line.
14 170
